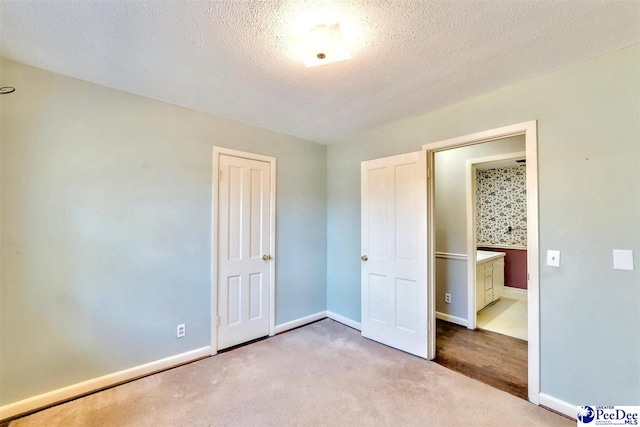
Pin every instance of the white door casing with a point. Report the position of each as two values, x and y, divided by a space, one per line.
244 261
394 252
530 132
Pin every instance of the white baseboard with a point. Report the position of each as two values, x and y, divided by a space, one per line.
558 405
453 319
515 293
76 390
283 327
344 320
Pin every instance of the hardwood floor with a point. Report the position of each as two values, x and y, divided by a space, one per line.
497 360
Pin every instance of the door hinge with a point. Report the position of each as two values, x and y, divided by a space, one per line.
217 320
528 276
220 175
428 173
428 326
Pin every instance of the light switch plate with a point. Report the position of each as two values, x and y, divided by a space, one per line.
553 258
622 259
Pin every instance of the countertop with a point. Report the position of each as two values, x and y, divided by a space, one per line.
487 255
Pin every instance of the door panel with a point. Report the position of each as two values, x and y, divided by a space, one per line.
377 194
405 209
255 296
234 215
234 308
377 298
406 294
394 252
258 218
243 238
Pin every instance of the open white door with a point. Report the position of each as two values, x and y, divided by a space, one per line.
395 302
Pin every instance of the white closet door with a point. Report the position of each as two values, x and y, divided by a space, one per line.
244 261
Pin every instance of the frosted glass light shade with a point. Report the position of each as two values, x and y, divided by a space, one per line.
321 45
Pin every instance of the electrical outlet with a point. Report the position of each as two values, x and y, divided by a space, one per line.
181 331
447 298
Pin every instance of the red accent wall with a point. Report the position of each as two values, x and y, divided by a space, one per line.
515 266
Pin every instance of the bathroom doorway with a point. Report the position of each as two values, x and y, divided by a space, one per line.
497 232
505 362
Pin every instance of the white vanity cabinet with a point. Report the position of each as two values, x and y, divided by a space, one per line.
489 277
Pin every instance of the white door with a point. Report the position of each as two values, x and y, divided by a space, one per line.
394 252
244 261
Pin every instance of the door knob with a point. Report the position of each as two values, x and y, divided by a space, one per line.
266 257
364 258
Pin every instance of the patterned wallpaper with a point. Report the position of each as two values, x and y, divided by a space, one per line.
501 202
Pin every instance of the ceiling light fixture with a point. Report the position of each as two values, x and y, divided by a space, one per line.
323 44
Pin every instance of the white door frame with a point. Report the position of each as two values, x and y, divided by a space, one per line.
472 310
529 130
217 152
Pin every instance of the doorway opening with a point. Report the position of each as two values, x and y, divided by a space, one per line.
476 243
497 231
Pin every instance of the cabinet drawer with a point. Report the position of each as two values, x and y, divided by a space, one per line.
488 296
488 283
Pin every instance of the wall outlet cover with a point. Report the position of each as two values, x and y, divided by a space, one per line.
181 330
622 259
553 258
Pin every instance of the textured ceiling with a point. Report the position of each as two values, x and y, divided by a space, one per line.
232 58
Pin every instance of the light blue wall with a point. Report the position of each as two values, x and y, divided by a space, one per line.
106 228
105 202
589 188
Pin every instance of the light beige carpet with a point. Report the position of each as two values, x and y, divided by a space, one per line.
324 374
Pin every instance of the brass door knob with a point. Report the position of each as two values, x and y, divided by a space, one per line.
266 257
364 258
